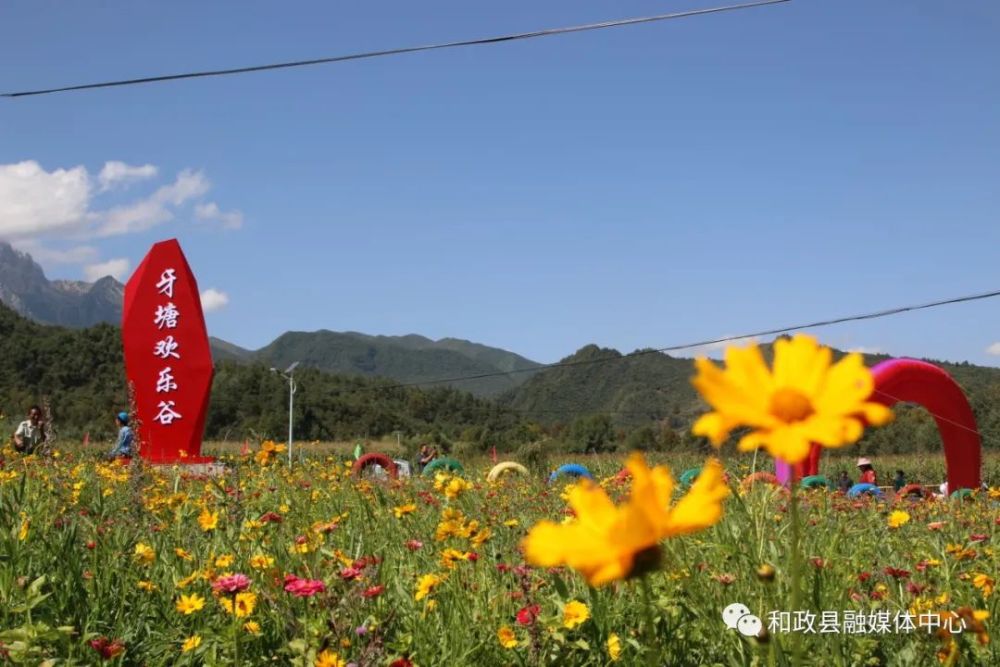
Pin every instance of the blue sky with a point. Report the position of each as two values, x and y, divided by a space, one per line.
635 187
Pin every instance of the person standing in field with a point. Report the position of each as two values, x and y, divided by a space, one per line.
123 447
31 432
844 482
868 475
899 482
427 454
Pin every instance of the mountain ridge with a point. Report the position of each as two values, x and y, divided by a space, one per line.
408 359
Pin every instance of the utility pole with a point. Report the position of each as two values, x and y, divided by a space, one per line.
288 374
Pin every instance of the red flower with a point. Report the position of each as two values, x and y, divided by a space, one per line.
234 583
107 648
864 576
472 557
977 537
350 573
897 573
91 544
528 615
818 563
271 517
303 588
414 545
401 662
373 592
503 568
915 589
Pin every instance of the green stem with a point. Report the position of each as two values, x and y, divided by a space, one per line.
653 642
236 633
795 568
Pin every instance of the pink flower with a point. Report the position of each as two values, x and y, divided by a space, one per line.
234 583
303 588
527 615
978 537
414 545
350 573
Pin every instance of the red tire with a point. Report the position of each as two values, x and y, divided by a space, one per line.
913 489
372 459
763 477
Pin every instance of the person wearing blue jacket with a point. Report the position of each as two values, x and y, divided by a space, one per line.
123 447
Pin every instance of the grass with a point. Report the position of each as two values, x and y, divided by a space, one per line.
75 536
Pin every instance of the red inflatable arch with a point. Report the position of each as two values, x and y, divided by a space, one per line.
912 381
372 459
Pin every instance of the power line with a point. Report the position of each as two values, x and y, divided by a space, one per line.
398 51
713 341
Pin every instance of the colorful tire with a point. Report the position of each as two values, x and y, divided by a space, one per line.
864 488
573 469
688 476
913 490
445 462
382 460
761 477
506 466
815 482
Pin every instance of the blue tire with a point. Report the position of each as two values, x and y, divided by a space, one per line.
573 469
688 476
859 489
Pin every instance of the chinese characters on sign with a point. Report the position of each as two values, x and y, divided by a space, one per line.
168 358
166 316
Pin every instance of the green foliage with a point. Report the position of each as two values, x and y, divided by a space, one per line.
405 359
81 371
653 391
592 434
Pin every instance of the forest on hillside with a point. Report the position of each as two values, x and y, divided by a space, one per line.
619 402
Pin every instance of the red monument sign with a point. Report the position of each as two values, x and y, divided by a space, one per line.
168 360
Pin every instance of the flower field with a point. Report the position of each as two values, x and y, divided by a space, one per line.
311 566
649 563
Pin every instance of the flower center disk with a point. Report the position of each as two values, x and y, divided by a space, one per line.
790 405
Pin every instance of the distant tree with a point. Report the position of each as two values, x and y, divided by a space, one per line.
592 434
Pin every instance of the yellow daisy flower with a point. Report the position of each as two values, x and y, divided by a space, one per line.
605 541
805 398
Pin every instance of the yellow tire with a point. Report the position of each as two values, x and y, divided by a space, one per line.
506 466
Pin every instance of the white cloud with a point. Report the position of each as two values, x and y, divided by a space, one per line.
34 201
116 268
116 173
155 209
210 211
994 349
213 299
73 255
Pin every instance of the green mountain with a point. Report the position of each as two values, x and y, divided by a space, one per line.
653 392
407 359
81 373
